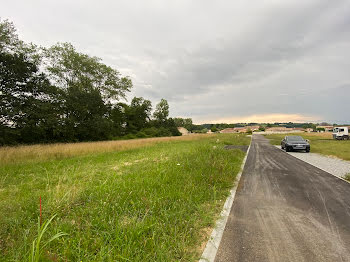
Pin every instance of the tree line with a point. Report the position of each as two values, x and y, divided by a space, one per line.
58 94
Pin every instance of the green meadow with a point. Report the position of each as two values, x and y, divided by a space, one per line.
151 202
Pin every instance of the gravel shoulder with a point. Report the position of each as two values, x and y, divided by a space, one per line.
332 165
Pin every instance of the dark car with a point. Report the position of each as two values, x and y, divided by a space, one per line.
290 143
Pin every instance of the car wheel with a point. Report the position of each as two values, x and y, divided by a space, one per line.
307 150
287 149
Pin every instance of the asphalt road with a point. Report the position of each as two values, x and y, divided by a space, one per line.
286 210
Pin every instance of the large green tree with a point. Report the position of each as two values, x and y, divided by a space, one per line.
184 122
137 114
67 67
59 94
119 119
90 90
161 112
86 115
29 104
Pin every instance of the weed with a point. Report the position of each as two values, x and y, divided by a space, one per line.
37 245
347 177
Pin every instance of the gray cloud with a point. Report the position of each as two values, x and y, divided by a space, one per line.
210 59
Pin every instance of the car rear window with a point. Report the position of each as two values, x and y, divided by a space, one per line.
295 138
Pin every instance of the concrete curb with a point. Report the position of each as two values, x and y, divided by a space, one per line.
213 243
278 147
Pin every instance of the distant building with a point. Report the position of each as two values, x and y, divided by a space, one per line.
326 128
240 129
279 129
309 130
228 130
299 129
243 129
183 131
253 128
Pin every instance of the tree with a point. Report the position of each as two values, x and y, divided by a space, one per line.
28 104
184 122
118 118
137 114
86 115
9 41
214 129
179 122
60 94
67 67
90 90
170 125
162 111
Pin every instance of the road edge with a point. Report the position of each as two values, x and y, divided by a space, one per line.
278 147
213 243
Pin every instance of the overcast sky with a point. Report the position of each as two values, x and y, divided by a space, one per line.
214 61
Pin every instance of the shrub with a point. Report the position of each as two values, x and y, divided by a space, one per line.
141 135
347 177
150 131
129 136
174 131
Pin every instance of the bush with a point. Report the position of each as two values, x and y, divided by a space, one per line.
129 136
202 131
162 131
174 131
150 131
141 135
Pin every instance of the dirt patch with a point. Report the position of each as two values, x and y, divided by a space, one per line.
137 161
129 163
204 238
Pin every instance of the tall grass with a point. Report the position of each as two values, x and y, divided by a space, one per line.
38 245
150 203
36 153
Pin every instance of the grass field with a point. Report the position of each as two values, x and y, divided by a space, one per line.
35 153
154 200
321 143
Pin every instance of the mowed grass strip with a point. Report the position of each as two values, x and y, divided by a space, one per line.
153 203
321 143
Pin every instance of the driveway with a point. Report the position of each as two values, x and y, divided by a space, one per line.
286 210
